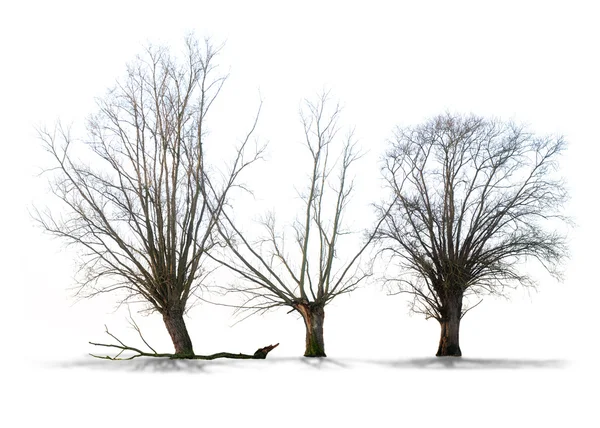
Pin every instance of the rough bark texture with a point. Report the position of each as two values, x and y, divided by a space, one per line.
449 339
314 317
178 332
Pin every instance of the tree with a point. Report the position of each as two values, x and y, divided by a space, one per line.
143 208
307 278
473 200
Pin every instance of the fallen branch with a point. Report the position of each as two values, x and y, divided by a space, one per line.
260 353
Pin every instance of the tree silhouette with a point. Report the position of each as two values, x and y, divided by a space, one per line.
307 276
473 198
143 203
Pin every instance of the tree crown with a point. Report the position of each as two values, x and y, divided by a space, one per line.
473 197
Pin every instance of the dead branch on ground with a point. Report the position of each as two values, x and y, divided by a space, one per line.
260 353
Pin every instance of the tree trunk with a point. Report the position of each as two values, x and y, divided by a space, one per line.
450 324
314 316
177 330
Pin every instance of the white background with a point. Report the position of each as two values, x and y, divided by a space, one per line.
535 62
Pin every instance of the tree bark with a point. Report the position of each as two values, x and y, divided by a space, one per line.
449 339
314 317
178 331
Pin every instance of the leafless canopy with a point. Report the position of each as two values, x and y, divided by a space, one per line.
278 270
474 197
139 199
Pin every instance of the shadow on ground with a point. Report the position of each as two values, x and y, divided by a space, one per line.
147 364
462 363
151 364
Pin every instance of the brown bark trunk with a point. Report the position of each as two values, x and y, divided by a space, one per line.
449 339
314 317
178 332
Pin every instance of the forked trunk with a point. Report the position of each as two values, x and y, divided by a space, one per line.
178 332
314 316
449 339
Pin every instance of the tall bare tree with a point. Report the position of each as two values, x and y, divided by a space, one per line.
143 204
473 198
307 276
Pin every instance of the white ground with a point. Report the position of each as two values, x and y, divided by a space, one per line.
289 392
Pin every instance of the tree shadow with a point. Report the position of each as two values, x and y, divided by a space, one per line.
322 363
166 365
151 364
461 363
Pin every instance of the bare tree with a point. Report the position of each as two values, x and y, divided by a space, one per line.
473 198
309 275
139 199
